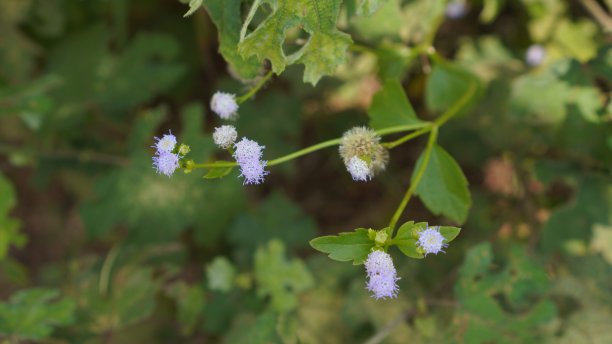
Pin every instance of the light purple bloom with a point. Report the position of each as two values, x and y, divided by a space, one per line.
166 163
382 277
224 105
248 154
431 241
166 143
535 55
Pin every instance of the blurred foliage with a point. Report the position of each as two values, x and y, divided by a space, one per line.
95 247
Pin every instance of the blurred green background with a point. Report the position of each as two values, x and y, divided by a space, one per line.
97 248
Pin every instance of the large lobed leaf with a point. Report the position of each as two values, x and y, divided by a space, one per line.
322 53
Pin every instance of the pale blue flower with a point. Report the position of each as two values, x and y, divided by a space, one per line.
431 241
166 143
382 276
166 163
248 155
359 169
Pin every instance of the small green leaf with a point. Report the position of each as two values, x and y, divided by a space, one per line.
390 107
347 246
9 227
218 172
443 187
220 274
449 233
491 10
406 238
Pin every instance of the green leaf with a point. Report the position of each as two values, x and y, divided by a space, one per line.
220 274
189 303
408 233
443 187
577 39
406 238
218 172
446 84
322 53
346 246
9 227
390 107
33 314
279 278
226 16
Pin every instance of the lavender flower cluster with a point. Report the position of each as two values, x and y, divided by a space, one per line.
248 154
382 277
165 160
381 274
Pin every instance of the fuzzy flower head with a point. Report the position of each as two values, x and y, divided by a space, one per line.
225 136
166 163
364 144
166 143
248 155
359 169
535 55
382 277
224 105
431 241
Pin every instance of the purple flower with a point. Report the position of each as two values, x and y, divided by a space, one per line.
166 162
248 154
456 10
431 241
166 143
382 277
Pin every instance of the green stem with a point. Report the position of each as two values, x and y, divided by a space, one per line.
393 144
304 151
415 181
254 90
318 146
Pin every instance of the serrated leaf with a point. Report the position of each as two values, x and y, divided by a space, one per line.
218 172
33 314
346 246
390 107
226 16
323 51
443 187
280 278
